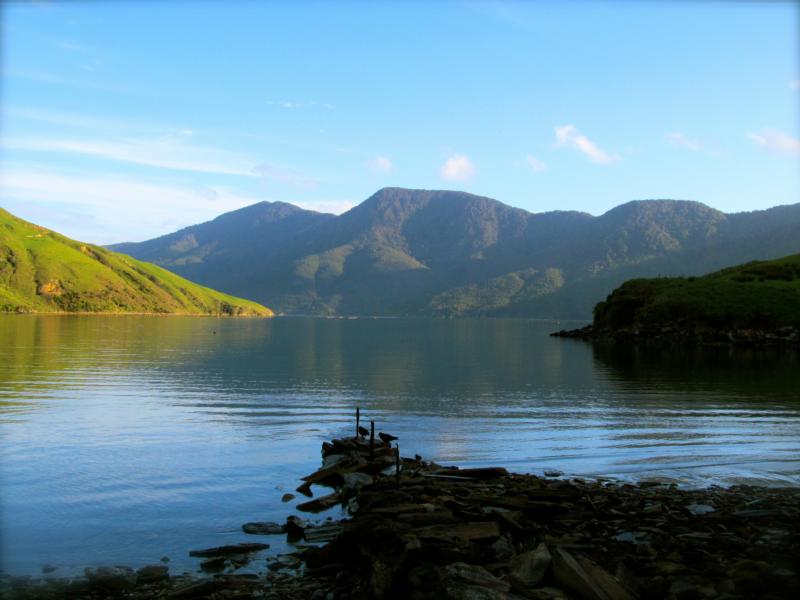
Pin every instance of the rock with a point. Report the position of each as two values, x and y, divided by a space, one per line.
323 533
152 574
305 489
479 473
295 528
112 580
553 473
263 528
165 559
700 509
197 589
465 531
354 482
230 549
529 568
48 569
472 582
587 579
213 565
503 548
682 590
320 504
287 497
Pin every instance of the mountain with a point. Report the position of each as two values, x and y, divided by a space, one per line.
451 253
758 302
42 271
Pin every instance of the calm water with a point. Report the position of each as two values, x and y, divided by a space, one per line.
128 438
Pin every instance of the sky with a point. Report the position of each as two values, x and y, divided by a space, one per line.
122 121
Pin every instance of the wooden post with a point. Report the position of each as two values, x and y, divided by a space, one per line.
358 420
372 440
397 464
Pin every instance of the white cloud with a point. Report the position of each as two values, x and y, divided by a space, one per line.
457 168
536 165
116 208
775 141
380 164
795 84
570 137
676 138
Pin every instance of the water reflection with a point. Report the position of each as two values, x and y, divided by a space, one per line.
126 438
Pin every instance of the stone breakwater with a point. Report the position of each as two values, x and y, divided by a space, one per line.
418 530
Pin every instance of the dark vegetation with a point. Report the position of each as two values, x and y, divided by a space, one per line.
758 302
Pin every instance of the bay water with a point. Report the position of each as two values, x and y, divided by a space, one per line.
125 439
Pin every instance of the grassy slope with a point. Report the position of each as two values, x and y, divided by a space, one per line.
761 294
43 271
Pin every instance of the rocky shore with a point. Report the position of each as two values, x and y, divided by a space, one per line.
418 530
787 337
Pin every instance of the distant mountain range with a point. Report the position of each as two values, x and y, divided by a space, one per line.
43 271
420 252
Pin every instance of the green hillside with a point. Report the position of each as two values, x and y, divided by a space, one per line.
758 296
42 271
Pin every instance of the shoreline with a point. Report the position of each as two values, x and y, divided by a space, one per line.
782 337
416 529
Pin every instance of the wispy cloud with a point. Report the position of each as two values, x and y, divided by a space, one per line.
681 140
775 141
117 207
569 136
457 168
380 164
676 138
285 175
165 153
78 120
173 152
536 165
299 104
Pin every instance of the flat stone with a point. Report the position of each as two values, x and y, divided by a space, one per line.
323 533
482 473
245 548
287 497
466 531
320 504
700 509
263 528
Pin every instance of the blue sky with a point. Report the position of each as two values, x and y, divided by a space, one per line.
126 120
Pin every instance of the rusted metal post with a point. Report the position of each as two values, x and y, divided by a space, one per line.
358 419
372 440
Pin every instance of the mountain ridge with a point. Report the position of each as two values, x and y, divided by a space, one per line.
450 253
